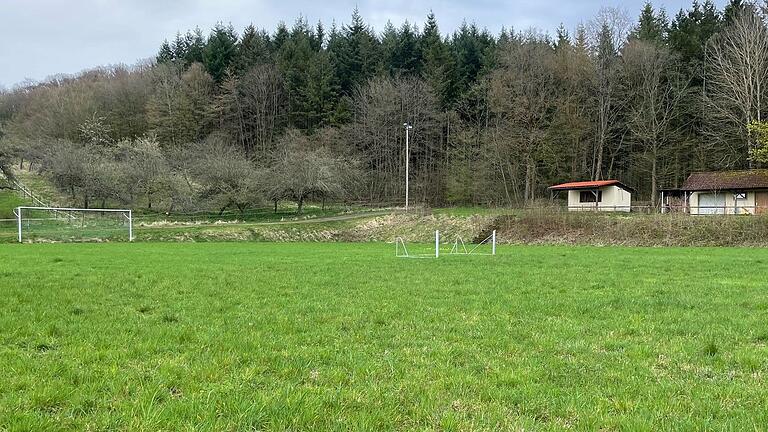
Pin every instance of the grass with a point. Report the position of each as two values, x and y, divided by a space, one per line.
285 212
252 336
316 224
9 200
473 211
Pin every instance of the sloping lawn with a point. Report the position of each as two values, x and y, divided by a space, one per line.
262 336
9 200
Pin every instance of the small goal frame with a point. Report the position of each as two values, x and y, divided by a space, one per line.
458 247
67 212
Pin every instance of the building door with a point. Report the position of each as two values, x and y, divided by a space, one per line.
711 204
761 202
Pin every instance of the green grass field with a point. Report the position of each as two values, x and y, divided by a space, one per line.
9 200
264 336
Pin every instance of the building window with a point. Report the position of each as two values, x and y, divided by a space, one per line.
740 195
589 196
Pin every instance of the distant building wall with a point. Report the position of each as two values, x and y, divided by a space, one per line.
730 204
614 198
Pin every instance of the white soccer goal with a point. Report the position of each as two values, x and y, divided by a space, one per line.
458 247
418 250
73 224
485 247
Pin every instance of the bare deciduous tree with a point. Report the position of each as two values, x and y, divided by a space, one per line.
379 110
252 108
523 97
609 30
178 109
226 177
736 86
301 172
654 88
144 169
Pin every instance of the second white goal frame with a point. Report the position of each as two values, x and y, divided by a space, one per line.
458 247
66 212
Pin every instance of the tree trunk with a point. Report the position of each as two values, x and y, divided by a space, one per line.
301 205
654 180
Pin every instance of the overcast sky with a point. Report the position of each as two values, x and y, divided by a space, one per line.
39 38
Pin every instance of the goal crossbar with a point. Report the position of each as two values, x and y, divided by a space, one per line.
67 211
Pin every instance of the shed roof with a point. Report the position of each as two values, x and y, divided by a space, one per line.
595 184
727 180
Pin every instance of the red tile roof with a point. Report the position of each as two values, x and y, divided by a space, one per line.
590 185
727 180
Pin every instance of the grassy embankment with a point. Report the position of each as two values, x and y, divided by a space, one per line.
236 336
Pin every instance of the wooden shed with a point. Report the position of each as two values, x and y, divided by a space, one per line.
724 192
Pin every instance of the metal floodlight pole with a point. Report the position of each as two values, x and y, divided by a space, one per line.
437 244
407 161
493 247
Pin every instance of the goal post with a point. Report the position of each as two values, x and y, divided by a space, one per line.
73 224
457 247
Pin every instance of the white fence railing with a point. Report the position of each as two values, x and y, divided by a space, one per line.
27 193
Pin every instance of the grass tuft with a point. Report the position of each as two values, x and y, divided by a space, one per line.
44 347
144 309
169 318
711 349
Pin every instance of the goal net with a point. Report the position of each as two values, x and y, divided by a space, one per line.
60 224
456 246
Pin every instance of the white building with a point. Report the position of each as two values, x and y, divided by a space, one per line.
600 195
722 193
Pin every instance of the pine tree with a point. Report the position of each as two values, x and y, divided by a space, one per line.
221 51
438 65
690 31
408 57
281 36
321 91
563 38
356 58
581 40
318 39
651 26
194 47
295 56
165 55
388 48
472 51
179 47
253 49
733 9
505 37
